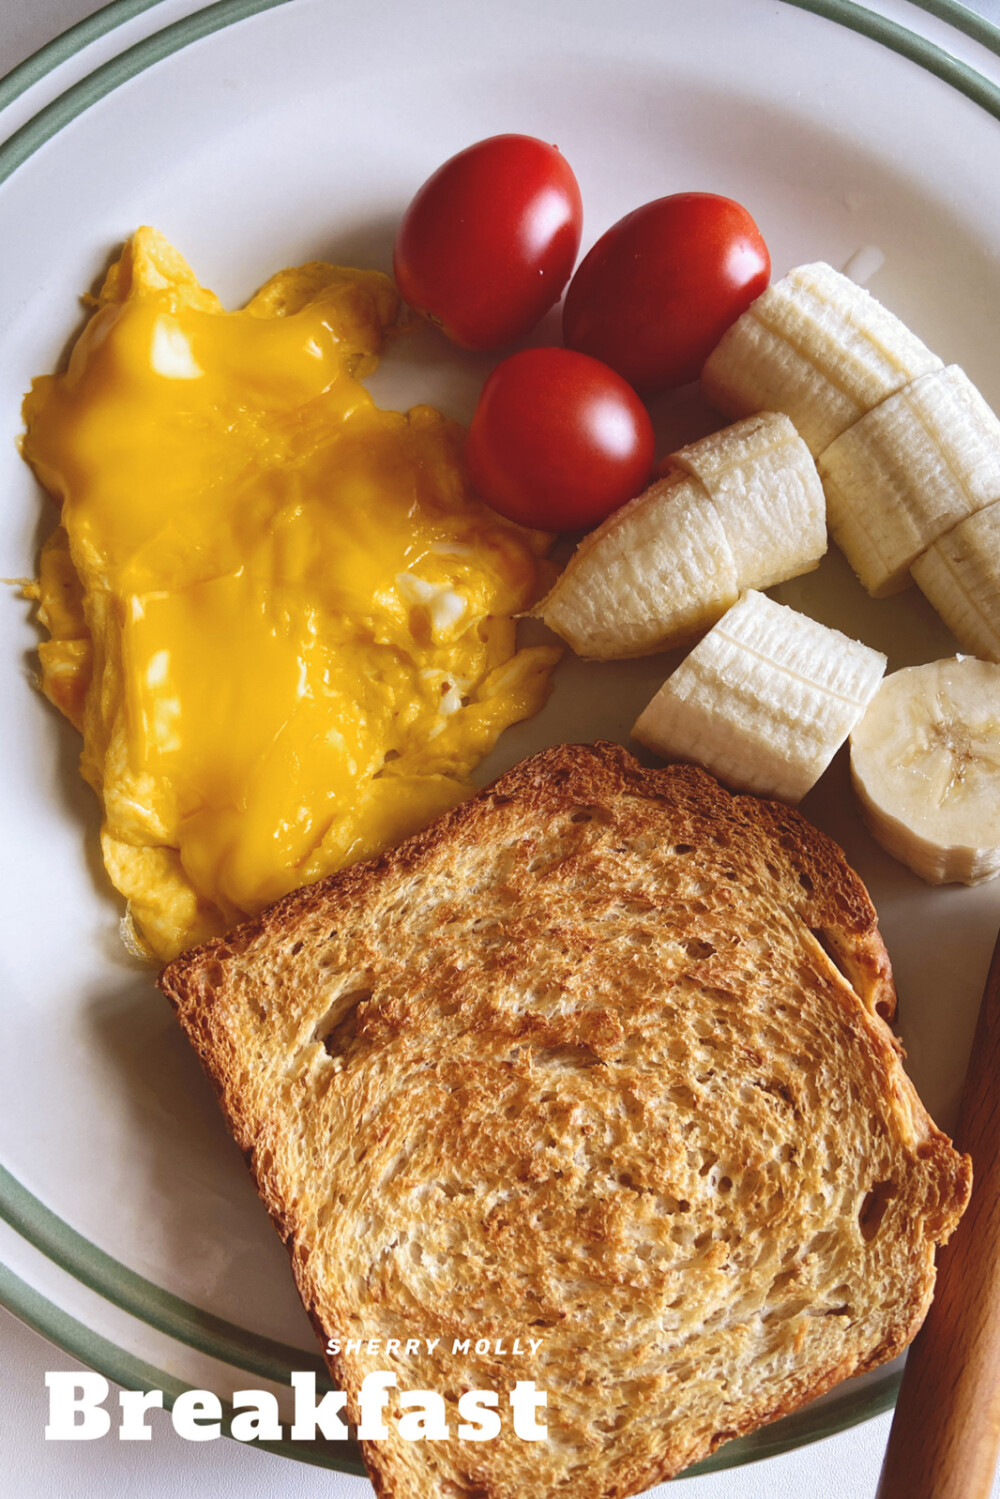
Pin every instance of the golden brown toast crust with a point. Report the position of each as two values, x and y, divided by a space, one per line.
599 1058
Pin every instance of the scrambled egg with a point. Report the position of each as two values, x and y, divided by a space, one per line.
277 614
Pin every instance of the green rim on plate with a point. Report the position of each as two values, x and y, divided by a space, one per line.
67 44
50 1235
24 142
963 19
136 1374
142 1298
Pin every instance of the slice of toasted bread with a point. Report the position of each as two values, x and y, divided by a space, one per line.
600 1060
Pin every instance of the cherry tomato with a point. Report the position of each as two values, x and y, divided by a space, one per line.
658 290
558 440
489 242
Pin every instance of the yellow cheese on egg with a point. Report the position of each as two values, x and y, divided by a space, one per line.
281 618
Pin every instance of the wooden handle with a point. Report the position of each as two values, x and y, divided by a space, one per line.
946 1430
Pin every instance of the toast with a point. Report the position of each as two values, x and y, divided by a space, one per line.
601 1060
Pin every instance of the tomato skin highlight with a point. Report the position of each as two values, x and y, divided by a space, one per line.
489 241
657 291
558 441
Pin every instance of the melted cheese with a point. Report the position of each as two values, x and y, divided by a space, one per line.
281 619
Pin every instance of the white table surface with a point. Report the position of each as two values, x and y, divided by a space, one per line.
841 1467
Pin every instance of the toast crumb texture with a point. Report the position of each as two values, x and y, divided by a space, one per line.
601 1059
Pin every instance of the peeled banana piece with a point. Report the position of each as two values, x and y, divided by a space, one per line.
960 576
764 484
816 346
744 506
764 701
925 762
907 473
657 572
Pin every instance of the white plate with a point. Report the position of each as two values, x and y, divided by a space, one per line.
258 137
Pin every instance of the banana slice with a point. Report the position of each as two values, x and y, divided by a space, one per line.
764 701
658 572
960 576
925 761
764 484
818 347
909 471
741 508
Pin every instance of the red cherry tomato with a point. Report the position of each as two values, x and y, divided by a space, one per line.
489 242
658 290
558 440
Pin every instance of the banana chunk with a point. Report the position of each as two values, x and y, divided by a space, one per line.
818 347
657 572
925 761
907 472
742 508
764 701
960 576
764 484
